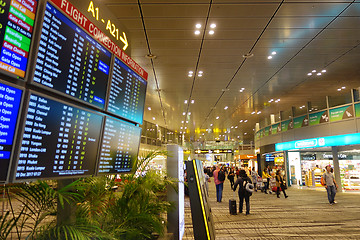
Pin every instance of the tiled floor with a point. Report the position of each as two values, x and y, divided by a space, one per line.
306 214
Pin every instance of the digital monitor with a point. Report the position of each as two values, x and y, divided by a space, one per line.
70 61
120 146
59 140
127 93
16 28
10 99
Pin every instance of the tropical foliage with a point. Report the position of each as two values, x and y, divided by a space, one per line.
135 210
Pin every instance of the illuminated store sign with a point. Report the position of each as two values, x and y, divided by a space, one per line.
338 140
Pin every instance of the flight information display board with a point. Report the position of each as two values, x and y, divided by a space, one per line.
10 99
120 145
70 61
127 93
59 140
16 28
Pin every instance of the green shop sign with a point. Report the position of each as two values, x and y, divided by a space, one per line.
319 117
341 113
267 131
338 140
302 121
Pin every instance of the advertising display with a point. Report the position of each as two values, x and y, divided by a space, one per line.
286 125
275 128
120 145
341 113
10 99
70 61
357 110
319 117
16 29
302 121
267 131
59 140
127 93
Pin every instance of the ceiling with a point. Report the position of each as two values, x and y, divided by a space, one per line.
306 35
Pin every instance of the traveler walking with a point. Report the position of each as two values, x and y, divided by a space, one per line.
330 185
280 184
219 183
254 176
243 193
231 177
266 179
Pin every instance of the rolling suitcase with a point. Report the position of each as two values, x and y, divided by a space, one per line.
232 205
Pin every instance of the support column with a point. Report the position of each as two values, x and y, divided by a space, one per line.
66 214
336 166
286 164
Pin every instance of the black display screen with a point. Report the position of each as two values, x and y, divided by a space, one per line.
10 99
70 61
127 93
120 145
59 140
16 28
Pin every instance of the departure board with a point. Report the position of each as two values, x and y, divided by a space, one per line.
59 140
70 61
10 99
120 145
127 93
16 27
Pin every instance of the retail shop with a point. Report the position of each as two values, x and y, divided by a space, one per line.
308 158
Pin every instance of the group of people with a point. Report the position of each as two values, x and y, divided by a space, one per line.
240 178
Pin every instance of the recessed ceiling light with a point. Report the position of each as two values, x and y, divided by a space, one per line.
339 89
241 120
211 125
190 75
238 136
318 74
149 108
186 101
211 32
197 32
323 71
199 75
258 112
253 112
217 117
184 113
153 118
185 127
309 74
198 25
187 121
201 72
273 53
189 113
245 120
269 57
245 133
236 126
314 71
192 101
181 127
226 107
213 25
191 72
342 87
241 90
182 121
232 126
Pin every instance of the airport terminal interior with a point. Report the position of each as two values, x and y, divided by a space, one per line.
112 100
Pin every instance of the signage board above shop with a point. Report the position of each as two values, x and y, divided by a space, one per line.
338 140
213 151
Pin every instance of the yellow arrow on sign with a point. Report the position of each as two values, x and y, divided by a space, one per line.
124 40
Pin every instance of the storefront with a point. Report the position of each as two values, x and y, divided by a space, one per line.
247 161
308 158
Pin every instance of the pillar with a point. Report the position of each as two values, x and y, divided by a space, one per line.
336 166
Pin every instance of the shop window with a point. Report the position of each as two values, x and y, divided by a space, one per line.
317 105
300 110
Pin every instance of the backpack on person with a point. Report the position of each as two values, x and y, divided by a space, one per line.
221 176
249 187
322 181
